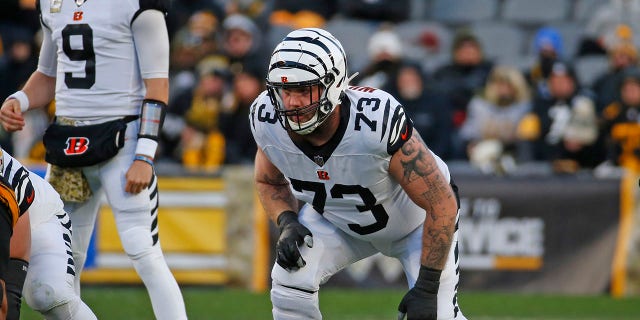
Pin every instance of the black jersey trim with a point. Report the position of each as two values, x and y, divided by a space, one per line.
401 130
326 150
160 5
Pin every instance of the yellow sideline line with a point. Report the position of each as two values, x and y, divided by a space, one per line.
627 204
517 263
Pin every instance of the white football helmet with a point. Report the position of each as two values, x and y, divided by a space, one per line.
307 57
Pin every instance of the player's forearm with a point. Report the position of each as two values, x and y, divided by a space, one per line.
276 198
157 89
441 209
40 89
417 171
439 226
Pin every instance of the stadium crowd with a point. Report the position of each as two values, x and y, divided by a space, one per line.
498 83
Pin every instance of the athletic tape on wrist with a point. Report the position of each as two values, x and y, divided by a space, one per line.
22 98
147 147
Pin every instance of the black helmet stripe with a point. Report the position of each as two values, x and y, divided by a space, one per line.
293 64
344 57
311 40
306 52
314 41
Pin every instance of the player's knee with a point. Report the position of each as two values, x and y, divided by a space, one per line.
41 296
305 278
294 303
136 242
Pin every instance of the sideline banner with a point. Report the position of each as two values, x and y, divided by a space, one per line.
193 224
546 234
538 234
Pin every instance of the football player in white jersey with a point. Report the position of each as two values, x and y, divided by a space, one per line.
49 284
103 62
368 183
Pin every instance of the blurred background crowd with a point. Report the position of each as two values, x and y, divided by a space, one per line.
498 84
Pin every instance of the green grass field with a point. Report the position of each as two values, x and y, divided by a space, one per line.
220 303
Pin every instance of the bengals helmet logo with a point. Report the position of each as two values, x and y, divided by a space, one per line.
76 146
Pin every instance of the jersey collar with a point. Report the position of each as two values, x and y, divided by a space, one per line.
314 153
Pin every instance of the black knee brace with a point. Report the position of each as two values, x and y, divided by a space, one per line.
14 281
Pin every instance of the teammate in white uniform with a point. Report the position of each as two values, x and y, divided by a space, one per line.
49 282
367 180
106 60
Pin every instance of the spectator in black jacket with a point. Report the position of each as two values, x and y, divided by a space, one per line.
563 127
461 79
429 109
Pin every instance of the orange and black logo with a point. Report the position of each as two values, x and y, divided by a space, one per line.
76 146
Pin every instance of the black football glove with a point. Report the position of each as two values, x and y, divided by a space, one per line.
421 302
292 235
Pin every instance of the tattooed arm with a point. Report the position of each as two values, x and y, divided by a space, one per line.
273 188
415 168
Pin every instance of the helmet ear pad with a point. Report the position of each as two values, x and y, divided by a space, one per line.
329 78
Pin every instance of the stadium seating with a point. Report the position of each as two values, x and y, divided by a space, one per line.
584 9
535 12
425 41
463 11
500 40
354 35
588 68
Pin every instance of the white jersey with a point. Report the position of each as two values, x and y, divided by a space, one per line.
103 82
32 191
347 180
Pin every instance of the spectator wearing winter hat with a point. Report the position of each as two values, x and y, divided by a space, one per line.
242 44
385 57
562 127
604 23
622 54
548 49
620 122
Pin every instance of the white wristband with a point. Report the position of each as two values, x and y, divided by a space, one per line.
147 147
22 98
